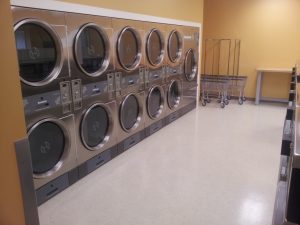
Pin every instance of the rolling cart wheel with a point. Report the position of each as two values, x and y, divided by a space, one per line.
244 99
241 101
229 97
208 100
226 102
222 105
203 103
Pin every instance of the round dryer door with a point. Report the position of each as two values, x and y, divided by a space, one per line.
174 94
155 47
91 50
130 113
174 46
39 52
95 127
129 48
48 141
190 65
155 102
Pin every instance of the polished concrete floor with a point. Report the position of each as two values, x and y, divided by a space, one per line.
213 166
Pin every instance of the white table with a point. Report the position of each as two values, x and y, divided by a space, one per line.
260 76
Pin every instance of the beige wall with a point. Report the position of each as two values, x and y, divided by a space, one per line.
12 123
190 10
270 34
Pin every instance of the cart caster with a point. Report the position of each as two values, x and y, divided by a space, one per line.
229 97
226 102
244 99
203 103
241 101
208 101
222 105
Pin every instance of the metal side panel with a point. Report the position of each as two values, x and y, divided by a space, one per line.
280 204
26 180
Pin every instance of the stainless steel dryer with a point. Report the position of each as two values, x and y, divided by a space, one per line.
41 47
96 128
174 71
129 81
40 42
190 74
90 45
154 76
92 66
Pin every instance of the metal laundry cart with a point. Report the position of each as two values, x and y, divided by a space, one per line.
221 77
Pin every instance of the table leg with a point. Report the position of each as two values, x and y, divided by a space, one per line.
258 87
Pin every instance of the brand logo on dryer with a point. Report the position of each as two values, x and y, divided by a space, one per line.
34 53
45 147
96 126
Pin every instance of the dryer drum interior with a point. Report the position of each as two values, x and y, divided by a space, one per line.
129 48
190 65
174 46
173 94
91 50
49 143
95 127
39 52
155 102
155 47
130 112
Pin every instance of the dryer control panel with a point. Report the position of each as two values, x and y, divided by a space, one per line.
177 70
40 102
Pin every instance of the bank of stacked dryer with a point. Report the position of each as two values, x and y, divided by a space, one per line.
43 64
95 86
190 68
155 97
90 44
174 71
129 81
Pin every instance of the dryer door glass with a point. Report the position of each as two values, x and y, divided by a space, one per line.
129 112
47 145
155 102
37 52
90 50
173 95
94 126
174 46
190 65
128 48
155 48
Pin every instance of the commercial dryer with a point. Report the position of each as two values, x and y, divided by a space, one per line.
190 71
154 76
174 71
41 47
92 66
129 81
91 51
